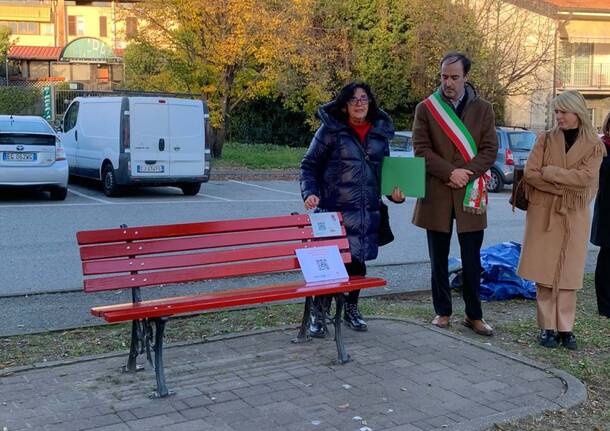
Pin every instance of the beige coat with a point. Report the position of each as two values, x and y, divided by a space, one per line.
433 212
560 188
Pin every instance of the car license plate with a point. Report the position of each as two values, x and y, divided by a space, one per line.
151 169
19 157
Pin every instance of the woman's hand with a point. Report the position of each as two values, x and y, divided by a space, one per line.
397 195
311 202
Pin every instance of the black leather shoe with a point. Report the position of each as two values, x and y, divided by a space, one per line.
548 338
568 340
353 318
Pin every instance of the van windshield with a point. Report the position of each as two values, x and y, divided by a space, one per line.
523 141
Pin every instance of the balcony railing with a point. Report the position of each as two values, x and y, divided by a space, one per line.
584 76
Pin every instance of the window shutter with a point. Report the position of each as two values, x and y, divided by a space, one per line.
71 25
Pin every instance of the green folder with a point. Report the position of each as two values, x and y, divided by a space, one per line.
407 173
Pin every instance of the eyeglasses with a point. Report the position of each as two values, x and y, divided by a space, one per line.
358 100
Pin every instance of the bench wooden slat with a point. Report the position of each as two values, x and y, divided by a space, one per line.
193 243
113 266
187 304
188 229
194 274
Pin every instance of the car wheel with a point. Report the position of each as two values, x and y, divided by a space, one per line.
495 183
190 189
59 194
111 188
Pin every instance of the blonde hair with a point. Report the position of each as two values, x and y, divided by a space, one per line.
572 101
606 126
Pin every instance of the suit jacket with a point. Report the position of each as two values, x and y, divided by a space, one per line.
434 211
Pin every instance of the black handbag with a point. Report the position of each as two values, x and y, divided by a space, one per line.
518 199
385 232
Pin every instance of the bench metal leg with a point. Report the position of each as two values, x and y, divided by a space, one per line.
303 334
162 390
343 357
136 347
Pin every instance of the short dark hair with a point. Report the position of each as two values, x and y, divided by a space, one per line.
339 109
454 57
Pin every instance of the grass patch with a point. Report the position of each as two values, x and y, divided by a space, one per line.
514 321
259 156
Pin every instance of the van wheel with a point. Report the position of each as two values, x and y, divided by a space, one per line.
59 194
111 188
191 189
495 183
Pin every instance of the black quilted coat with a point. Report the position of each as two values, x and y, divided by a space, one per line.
600 228
345 174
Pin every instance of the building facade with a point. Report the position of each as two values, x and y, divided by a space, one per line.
80 42
581 61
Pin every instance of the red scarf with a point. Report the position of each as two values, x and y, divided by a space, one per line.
606 140
361 129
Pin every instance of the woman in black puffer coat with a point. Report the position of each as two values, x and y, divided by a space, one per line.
341 171
600 229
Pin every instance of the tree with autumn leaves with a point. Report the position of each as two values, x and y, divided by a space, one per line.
299 52
229 51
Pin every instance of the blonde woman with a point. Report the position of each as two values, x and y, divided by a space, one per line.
561 178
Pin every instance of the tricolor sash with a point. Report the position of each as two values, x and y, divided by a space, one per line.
475 200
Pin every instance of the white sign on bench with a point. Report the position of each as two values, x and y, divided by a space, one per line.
325 224
322 264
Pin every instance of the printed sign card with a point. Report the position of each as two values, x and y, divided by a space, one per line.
322 264
325 224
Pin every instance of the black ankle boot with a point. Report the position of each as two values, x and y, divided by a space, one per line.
317 328
568 340
317 317
548 338
353 318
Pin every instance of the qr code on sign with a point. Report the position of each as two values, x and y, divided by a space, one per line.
322 264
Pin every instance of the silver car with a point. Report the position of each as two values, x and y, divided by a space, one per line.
401 145
31 156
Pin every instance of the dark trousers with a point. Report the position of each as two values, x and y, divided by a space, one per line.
602 281
470 250
355 267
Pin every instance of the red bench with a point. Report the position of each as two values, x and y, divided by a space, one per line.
136 257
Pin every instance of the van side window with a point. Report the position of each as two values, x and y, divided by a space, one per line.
70 117
499 141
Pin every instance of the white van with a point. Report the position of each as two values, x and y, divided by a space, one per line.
131 141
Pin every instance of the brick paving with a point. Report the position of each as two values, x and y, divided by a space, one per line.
404 376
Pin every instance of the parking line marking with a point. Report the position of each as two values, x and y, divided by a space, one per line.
89 197
215 197
201 202
264 188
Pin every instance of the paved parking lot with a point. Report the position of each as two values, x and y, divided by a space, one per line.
37 235
40 233
85 193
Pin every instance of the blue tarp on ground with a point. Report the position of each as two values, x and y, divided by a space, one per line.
499 280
